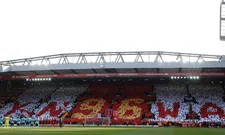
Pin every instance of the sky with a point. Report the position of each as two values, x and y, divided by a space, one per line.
30 28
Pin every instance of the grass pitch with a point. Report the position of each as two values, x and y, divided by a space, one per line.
112 131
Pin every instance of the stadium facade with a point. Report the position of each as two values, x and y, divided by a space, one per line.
123 87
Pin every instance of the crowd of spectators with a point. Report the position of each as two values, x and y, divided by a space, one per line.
209 96
37 98
187 100
203 94
168 95
29 98
64 99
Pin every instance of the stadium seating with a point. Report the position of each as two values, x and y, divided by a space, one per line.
43 102
130 111
169 105
130 102
26 102
89 108
61 101
123 103
10 96
210 105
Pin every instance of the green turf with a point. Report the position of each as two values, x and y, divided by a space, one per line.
113 131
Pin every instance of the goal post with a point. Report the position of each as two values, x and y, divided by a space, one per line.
101 121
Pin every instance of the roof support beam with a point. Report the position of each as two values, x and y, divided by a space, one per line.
136 70
74 71
34 72
94 71
54 71
110 57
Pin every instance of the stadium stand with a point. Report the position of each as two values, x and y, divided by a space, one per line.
127 100
10 96
27 102
61 101
170 104
43 102
210 105
126 104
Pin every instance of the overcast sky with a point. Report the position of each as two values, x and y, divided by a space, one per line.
42 27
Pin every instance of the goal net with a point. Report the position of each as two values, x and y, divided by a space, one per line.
101 121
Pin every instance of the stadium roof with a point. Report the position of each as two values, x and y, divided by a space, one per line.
114 63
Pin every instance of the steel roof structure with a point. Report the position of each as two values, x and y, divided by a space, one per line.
114 62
